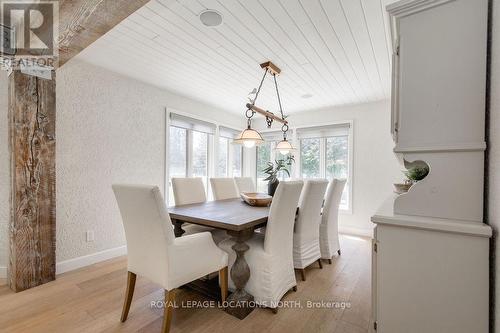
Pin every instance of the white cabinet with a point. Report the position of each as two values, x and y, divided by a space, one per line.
429 275
431 247
439 73
438 103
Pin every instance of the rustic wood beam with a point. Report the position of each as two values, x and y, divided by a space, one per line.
266 113
82 22
32 113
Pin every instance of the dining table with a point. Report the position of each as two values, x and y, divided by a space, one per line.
239 220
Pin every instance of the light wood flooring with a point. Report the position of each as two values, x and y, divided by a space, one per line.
90 300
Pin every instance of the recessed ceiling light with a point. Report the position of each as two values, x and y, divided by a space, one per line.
307 96
211 18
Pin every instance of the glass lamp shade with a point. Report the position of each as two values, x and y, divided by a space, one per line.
249 138
284 147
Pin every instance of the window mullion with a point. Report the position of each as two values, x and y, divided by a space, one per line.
189 153
229 160
322 158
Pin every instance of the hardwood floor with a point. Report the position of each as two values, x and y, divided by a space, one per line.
90 300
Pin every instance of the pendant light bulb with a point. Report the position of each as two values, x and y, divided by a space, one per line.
249 144
284 152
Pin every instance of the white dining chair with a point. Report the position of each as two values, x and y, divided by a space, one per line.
154 253
244 184
224 188
188 190
270 254
191 191
329 227
306 233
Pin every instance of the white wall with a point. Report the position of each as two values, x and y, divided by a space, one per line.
493 184
375 166
4 174
110 129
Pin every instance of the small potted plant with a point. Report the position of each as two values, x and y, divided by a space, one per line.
272 171
413 175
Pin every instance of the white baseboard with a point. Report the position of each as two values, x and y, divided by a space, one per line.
365 232
75 263
79 262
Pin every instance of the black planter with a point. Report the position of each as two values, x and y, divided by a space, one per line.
272 186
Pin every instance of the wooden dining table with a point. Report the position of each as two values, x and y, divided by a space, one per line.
239 220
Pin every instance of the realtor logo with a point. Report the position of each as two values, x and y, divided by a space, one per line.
29 28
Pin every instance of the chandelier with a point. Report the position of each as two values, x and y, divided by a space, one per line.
251 137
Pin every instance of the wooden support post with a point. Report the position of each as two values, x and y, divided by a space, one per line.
32 112
32 142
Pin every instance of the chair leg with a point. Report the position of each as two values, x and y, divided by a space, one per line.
303 273
330 261
338 251
128 295
223 283
167 312
320 264
294 288
274 310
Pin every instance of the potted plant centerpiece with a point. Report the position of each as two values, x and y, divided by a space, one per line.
273 169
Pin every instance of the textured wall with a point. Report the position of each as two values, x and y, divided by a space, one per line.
4 173
375 165
493 195
110 129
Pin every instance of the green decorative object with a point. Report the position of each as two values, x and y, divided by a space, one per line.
417 173
272 171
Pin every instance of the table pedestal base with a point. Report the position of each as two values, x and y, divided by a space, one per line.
240 303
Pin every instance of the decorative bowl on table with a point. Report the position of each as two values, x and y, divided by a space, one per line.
256 199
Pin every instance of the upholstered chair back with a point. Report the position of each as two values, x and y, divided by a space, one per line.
244 184
279 228
329 237
332 202
310 203
188 191
148 229
224 188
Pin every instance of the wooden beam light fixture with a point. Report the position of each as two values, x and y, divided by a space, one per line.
250 137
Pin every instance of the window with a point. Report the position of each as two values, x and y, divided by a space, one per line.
222 161
337 162
310 158
237 162
178 158
195 150
189 149
200 156
324 153
229 156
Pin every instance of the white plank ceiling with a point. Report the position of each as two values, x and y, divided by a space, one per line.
338 51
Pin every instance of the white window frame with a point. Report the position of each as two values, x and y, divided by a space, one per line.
212 153
350 152
230 155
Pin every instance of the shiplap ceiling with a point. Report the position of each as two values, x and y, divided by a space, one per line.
338 51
